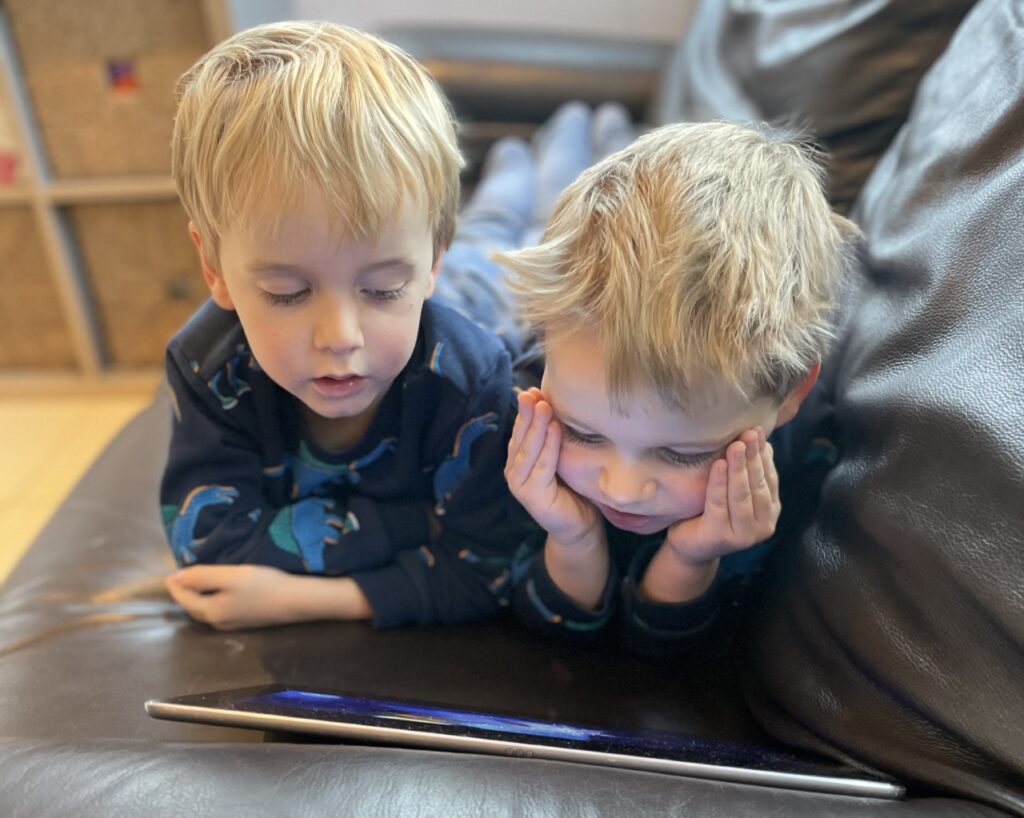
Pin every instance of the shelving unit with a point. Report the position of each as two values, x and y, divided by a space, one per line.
96 269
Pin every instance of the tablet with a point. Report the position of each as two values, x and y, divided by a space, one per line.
372 720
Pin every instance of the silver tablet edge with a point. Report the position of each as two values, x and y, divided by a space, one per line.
857 787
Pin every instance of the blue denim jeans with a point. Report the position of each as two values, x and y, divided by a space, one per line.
518 189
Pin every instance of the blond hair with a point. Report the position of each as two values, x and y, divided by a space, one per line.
702 254
280 109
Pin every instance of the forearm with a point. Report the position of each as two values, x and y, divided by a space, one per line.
309 598
669 580
580 569
230 597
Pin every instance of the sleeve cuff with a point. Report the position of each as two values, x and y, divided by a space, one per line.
556 609
665 621
393 598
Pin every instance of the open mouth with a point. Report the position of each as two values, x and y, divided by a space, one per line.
622 519
336 387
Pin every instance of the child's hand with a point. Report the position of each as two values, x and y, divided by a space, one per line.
231 597
530 472
741 507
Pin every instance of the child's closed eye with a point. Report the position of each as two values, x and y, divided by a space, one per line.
386 295
576 436
687 459
286 299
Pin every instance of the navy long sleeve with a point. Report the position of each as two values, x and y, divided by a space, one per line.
245 483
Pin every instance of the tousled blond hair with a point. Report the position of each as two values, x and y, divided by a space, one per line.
278 110
703 254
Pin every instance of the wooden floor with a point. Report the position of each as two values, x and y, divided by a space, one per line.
47 443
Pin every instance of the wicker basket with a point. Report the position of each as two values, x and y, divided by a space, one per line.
11 171
101 77
143 273
32 329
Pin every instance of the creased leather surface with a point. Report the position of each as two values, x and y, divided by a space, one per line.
845 70
896 631
98 779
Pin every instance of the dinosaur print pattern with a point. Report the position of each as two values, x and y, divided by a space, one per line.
435 358
307 528
180 523
226 384
310 473
456 466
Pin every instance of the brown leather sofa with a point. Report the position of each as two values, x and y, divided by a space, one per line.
890 630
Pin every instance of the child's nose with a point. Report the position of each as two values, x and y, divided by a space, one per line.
338 327
625 483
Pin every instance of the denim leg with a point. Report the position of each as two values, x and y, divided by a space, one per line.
611 130
494 219
563 153
511 206
499 210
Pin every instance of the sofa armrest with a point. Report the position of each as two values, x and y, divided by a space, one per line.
522 76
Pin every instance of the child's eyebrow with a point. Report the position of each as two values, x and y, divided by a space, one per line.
708 445
391 262
273 267
267 267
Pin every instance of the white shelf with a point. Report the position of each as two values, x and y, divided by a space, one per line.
110 189
15 196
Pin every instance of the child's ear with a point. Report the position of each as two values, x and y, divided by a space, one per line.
791 404
435 270
214 280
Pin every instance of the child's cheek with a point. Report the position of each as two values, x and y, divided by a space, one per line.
578 468
686 492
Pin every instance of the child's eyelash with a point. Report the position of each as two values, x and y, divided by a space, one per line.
387 295
579 437
285 299
680 459
672 458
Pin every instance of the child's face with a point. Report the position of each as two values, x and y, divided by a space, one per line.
648 467
332 322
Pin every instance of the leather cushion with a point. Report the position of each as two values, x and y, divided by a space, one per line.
894 628
846 71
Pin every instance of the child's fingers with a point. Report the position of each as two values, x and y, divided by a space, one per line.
771 474
204 578
761 496
194 603
741 507
716 501
524 459
526 402
547 461
518 433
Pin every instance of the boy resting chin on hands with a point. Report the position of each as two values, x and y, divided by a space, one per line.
681 294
